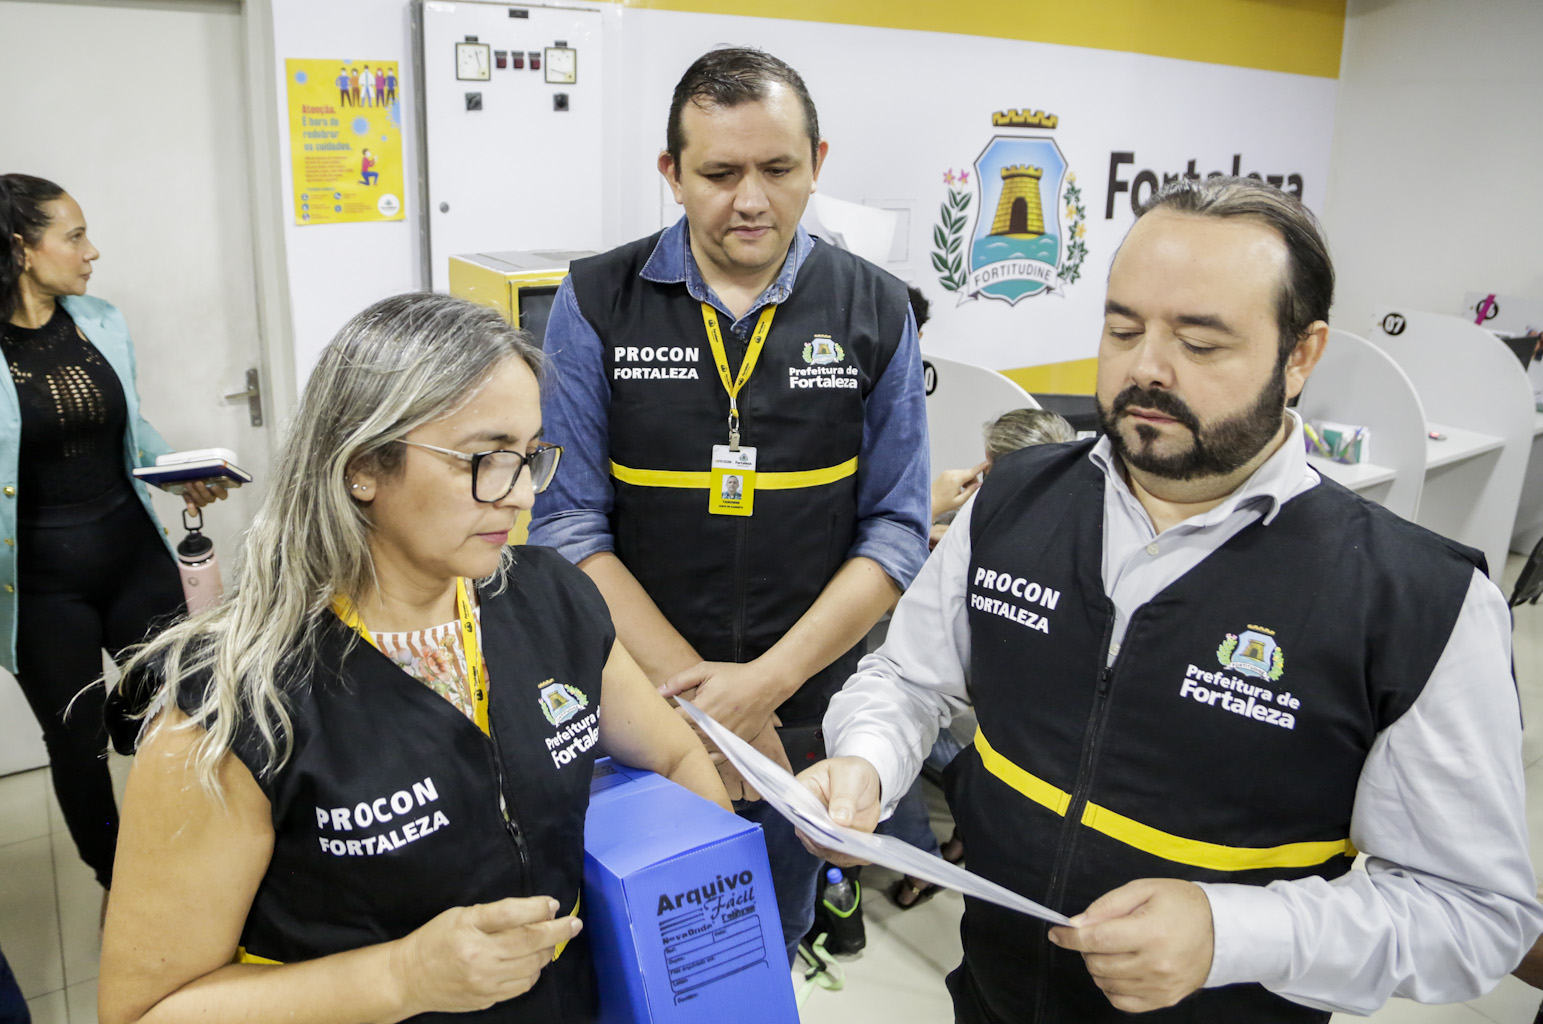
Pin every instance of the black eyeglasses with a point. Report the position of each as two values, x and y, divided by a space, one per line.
493 474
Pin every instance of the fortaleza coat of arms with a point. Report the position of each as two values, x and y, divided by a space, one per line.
1253 652
1028 217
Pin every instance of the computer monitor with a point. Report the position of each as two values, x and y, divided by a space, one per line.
520 284
535 305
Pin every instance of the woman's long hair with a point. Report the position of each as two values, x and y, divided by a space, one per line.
21 217
403 362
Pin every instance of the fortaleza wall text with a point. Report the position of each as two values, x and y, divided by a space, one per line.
1145 182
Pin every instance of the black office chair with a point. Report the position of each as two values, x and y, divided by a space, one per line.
1529 585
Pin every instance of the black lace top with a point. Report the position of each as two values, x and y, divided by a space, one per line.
73 414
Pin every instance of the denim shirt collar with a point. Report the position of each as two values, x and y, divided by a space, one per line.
672 263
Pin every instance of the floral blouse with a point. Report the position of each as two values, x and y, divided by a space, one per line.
435 657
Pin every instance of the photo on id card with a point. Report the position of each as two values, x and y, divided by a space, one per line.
731 491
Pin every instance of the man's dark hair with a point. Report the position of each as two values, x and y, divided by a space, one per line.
22 221
728 77
920 307
1307 291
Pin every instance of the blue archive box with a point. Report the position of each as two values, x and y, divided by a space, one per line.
679 908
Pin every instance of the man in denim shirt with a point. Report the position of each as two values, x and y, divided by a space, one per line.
753 607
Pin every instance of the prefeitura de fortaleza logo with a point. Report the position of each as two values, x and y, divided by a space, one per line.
1013 225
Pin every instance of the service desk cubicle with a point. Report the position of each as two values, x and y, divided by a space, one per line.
1358 383
1480 423
1515 317
961 399
1528 529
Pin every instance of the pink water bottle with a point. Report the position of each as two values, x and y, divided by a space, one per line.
199 569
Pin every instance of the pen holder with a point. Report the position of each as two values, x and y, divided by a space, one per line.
1338 442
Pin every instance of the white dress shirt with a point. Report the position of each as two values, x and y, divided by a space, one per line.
1447 902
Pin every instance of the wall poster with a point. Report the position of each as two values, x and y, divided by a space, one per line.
345 140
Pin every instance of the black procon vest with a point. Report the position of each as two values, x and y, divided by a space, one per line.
388 810
1223 744
732 586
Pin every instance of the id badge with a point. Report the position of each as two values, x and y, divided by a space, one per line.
731 491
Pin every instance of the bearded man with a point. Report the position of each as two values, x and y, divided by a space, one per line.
1206 678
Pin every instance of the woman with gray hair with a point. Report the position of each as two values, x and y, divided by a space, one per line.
1014 429
1024 428
365 773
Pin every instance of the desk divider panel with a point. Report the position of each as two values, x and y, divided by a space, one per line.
1477 396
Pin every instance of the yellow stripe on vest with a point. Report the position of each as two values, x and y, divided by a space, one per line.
558 950
763 481
1031 786
1194 852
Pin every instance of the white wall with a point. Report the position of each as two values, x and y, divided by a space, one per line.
336 270
1438 151
900 107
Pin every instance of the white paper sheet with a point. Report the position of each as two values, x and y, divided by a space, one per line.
795 803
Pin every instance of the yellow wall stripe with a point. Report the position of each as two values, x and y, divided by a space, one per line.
763 481
1302 37
1212 856
1074 377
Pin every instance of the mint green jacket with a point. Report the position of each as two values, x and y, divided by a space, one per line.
103 325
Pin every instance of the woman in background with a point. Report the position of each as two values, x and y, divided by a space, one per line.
85 564
360 795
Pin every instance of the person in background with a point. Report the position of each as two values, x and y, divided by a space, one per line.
1014 429
13 1005
1530 970
734 330
85 563
360 790
921 309
1205 679
1024 428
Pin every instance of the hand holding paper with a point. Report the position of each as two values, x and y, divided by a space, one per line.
796 803
850 789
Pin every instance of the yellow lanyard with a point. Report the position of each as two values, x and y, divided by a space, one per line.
476 668
734 384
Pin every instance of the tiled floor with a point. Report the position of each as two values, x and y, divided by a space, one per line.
49 905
